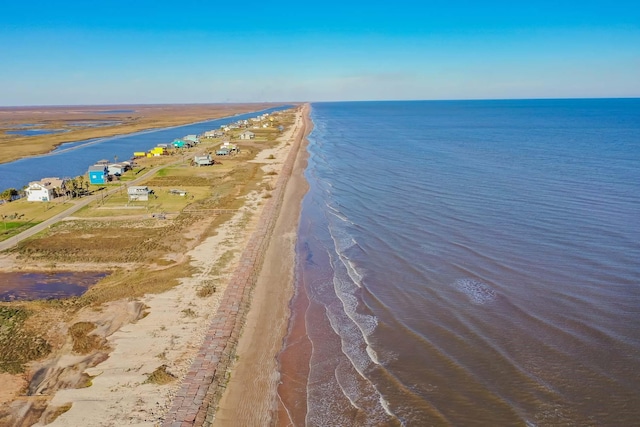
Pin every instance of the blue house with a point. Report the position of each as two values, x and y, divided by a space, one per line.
98 174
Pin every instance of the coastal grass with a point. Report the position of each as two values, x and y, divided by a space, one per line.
125 284
19 344
160 376
206 288
83 341
101 242
162 200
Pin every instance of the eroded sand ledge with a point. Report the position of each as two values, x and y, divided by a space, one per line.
196 337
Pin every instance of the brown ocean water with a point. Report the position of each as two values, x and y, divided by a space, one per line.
468 263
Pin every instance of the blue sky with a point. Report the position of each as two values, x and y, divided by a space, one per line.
115 52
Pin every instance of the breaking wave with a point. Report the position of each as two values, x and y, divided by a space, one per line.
477 291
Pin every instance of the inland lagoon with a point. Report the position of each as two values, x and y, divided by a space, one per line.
19 286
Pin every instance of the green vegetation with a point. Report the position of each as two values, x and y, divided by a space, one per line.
8 194
11 229
18 344
11 226
21 215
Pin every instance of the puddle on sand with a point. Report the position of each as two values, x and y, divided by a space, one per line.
32 286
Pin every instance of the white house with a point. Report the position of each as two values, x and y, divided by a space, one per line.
44 190
203 160
138 193
213 134
247 134
116 169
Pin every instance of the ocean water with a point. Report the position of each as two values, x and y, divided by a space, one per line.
469 263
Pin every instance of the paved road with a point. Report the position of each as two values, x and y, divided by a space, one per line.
78 204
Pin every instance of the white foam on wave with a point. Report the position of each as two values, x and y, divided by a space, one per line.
352 271
351 325
477 291
342 240
345 290
354 328
349 386
350 374
353 344
387 409
373 355
338 214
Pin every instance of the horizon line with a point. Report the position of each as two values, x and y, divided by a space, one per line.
318 102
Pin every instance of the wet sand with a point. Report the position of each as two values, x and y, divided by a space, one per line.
250 398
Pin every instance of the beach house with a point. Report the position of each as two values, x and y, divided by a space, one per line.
247 134
157 151
203 160
44 190
193 139
98 174
213 134
116 169
138 193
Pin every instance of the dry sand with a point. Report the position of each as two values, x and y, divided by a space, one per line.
250 395
177 321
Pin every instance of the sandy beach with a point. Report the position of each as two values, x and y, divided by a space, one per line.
250 398
165 334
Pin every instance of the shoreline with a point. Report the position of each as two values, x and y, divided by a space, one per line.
251 396
253 309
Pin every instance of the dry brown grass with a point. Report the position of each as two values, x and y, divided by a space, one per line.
83 341
206 289
134 284
52 413
160 376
